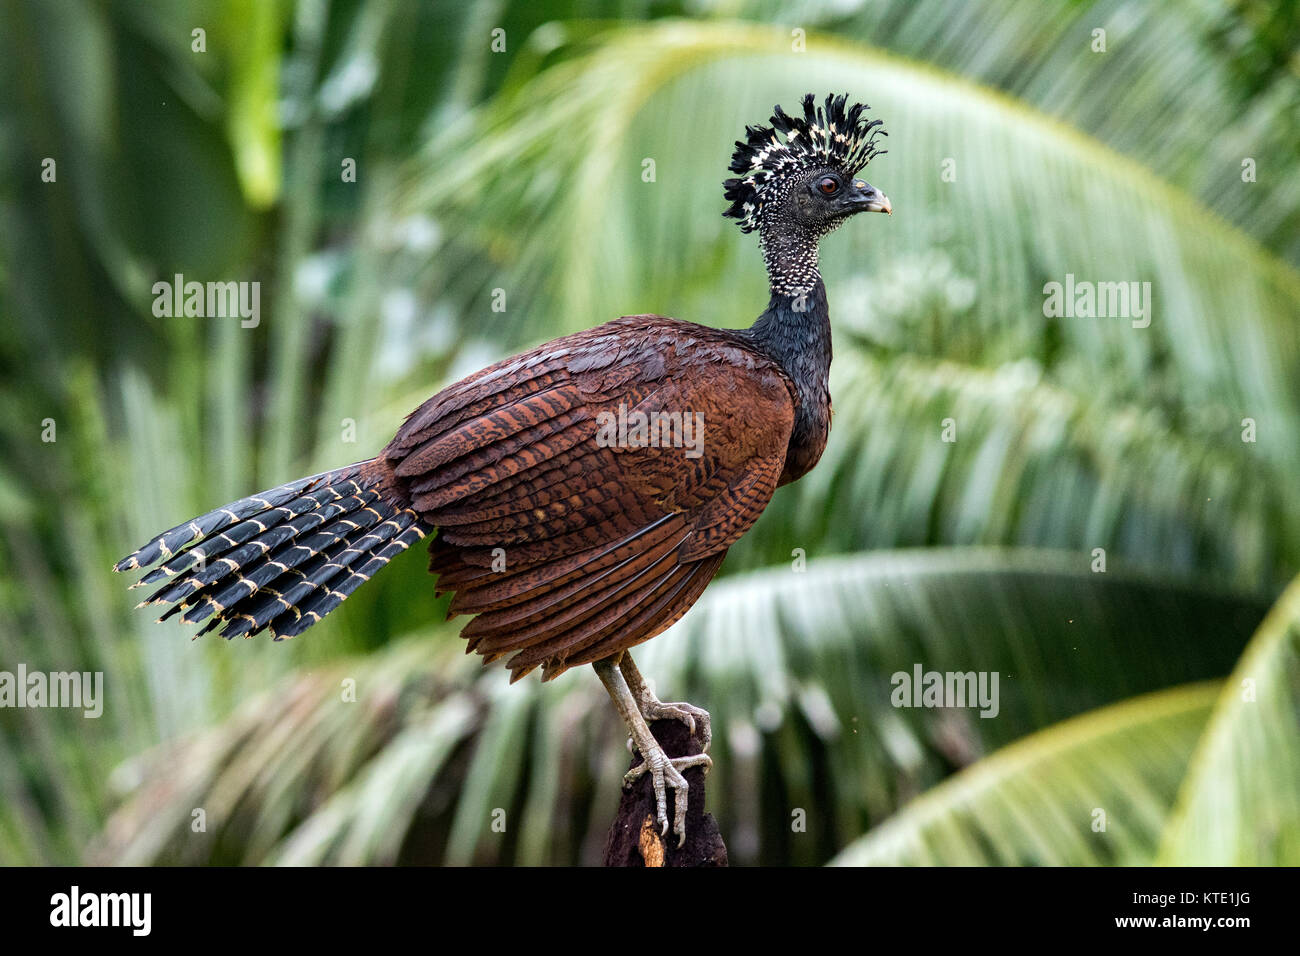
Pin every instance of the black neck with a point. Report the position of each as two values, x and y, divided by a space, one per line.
796 331
796 327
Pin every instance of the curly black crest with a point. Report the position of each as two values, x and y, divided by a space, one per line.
834 136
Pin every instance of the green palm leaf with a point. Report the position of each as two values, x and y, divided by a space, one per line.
1072 434
1138 488
556 184
1190 89
555 194
796 668
1093 790
1240 803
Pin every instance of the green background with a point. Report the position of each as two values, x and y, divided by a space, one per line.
1149 712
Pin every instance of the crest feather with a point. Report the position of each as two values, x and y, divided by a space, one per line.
833 135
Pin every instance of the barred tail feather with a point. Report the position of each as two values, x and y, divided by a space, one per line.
283 558
169 542
295 620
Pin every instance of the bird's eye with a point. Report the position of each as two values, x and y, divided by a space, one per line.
828 185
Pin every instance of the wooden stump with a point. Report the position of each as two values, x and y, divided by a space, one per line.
634 838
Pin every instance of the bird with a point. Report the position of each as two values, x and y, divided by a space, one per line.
578 497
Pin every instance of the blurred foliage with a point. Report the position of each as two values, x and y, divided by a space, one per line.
1117 768
522 170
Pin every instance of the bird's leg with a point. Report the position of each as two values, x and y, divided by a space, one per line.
664 771
652 708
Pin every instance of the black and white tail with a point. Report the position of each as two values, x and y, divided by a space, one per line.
282 559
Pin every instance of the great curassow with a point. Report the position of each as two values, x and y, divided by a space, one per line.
571 540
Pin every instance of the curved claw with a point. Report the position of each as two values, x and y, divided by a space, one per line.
688 714
666 772
652 708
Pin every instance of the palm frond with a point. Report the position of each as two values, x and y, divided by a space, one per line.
1205 397
556 184
1139 487
1191 90
1094 790
797 668
1240 803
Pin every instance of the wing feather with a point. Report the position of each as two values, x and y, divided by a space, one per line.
566 546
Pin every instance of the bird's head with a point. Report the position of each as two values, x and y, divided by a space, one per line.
802 172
